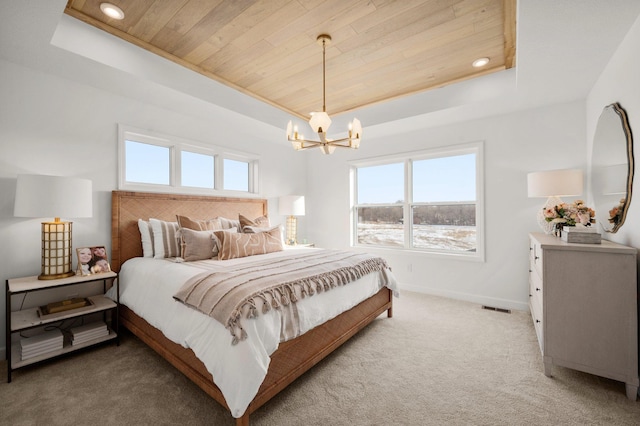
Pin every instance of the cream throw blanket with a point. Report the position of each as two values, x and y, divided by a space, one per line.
247 289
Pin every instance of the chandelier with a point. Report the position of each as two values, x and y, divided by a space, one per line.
320 121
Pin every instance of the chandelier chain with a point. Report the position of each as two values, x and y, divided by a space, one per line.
324 68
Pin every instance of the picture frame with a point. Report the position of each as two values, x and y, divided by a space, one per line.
92 260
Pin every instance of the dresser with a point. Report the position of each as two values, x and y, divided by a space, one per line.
584 304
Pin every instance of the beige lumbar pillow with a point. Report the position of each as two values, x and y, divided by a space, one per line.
242 245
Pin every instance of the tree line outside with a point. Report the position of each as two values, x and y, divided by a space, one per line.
451 214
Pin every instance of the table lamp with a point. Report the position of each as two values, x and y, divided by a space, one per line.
553 184
291 206
54 197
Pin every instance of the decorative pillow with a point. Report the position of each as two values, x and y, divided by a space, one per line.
260 222
165 239
258 229
197 245
199 225
218 236
146 236
242 245
229 223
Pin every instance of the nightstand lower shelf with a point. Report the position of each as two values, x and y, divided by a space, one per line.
16 362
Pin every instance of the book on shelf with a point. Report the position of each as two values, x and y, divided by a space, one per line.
41 343
88 332
24 355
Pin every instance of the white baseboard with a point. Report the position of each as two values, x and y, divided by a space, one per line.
473 298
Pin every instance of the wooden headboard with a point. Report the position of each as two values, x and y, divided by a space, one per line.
128 207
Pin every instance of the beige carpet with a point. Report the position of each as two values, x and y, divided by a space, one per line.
437 361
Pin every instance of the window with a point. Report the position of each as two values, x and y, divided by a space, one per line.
236 175
425 201
155 162
147 163
197 170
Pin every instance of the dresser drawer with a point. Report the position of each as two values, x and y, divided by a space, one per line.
536 315
535 256
535 286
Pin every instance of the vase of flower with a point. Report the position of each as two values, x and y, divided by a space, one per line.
563 214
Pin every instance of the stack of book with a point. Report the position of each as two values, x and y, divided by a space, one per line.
87 332
581 234
40 344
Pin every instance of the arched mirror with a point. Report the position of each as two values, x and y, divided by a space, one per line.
612 168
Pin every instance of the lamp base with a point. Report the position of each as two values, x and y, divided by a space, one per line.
292 230
56 276
56 250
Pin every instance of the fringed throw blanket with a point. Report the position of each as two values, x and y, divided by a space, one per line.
279 283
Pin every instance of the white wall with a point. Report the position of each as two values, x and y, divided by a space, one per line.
515 144
619 82
50 125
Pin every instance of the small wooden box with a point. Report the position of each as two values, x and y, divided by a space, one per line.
581 236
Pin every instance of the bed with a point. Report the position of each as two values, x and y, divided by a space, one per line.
291 358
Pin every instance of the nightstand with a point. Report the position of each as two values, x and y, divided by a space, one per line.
22 320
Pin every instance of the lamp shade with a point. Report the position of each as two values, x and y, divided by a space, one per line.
555 183
53 196
291 205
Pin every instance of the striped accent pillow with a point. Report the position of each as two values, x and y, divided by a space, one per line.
165 239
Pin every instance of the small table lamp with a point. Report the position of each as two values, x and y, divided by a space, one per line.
54 196
291 206
553 184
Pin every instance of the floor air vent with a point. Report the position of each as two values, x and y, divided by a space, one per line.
491 308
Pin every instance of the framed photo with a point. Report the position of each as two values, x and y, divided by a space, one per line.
92 260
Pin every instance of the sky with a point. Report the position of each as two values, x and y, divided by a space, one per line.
147 163
440 179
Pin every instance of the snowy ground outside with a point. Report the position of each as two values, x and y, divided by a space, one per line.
435 237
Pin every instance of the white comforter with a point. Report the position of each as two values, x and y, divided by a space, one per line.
147 287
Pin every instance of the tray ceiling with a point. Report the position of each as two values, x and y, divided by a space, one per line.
381 50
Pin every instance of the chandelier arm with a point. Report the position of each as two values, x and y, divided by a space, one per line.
312 144
327 142
339 143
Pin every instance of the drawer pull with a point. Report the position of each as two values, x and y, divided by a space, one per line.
537 289
537 321
537 257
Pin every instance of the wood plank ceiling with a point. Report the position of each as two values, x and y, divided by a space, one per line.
380 49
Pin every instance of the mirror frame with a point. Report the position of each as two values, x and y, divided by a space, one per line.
624 122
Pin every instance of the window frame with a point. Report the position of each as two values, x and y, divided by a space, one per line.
408 158
176 146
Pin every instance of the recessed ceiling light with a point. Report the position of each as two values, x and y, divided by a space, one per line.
112 11
480 62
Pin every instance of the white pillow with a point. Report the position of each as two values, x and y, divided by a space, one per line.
147 238
166 242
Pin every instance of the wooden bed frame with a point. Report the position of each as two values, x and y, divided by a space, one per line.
290 360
